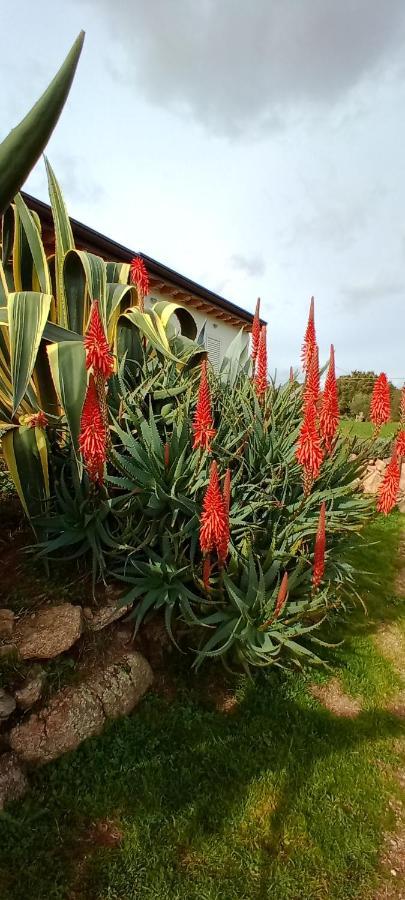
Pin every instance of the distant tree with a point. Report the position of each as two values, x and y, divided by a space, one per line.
356 383
360 404
350 387
395 402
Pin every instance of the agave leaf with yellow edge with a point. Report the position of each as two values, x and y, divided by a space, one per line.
167 311
25 452
64 241
119 296
150 326
67 362
40 271
27 315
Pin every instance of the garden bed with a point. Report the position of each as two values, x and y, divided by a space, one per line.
224 787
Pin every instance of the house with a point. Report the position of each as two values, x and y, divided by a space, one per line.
222 318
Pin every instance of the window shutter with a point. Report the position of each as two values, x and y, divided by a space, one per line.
213 346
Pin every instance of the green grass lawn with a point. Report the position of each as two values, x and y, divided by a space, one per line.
365 429
278 799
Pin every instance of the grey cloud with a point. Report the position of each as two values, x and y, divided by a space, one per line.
76 178
367 293
337 222
250 265
78 184
240 69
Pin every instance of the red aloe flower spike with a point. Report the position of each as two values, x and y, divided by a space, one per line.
98 354
309 453
167 455
291 374
320 547
311 389
281 596
37 420
93 437
380 406
206 572
139 276
400 443
256 331
261 374
227 490
203 422
329 418
402 407
214 527
389 487
280 602
309 344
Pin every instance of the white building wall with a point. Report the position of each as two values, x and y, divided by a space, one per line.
218 334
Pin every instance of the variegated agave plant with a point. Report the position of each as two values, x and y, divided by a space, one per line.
44 309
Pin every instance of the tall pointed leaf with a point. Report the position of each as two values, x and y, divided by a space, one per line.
68 367
35 245
96 277
26 454
27 315
64 240
25 143
75 287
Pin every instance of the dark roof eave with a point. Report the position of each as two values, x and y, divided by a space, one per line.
99 243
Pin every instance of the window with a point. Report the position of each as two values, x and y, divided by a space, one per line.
213 346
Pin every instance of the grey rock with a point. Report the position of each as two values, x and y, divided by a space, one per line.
13 782
381 464
97 619
7 704
49 631
371 483
81 711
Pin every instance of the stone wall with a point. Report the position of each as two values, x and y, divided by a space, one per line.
38 723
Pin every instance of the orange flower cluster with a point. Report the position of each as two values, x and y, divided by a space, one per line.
389 488
311 389
282 597
140 278
309 344
329 417
320 547
309 452
214 521
380 406
256 332
203 423
316 437
93 437
261 373
98 355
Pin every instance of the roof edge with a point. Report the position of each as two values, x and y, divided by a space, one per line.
113 250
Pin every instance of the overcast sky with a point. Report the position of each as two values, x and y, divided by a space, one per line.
257 147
